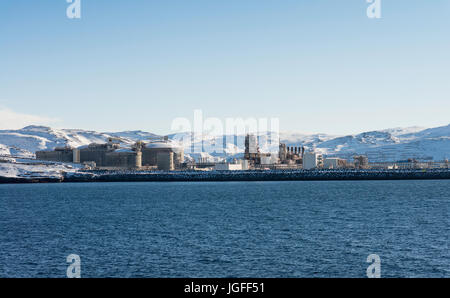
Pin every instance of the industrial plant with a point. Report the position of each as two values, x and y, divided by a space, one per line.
156 155
162 154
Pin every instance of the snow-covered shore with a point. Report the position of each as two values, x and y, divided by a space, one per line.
59 173
33 170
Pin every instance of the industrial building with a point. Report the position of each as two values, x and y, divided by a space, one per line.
60 154
269 159
334 163
312 160
252 153
287 157
361 162
290 154
236 165
150 153
163 155
228 167
110 155
106 156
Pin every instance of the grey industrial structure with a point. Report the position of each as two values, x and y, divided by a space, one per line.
162 155
287 155
296 157
59 154
151 150
291 154
252 153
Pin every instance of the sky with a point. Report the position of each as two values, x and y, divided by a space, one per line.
318 66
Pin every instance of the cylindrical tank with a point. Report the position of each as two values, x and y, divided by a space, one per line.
138 159
151 150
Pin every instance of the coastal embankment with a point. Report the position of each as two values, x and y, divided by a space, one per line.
217 176
279 175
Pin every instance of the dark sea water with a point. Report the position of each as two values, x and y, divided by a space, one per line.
242 229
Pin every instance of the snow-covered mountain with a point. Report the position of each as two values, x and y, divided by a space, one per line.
383 145
393 144
26 141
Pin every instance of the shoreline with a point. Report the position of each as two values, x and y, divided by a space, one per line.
233 176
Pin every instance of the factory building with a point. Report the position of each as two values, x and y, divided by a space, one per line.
334 163
97 152
290 154
228 167
361 162
244 164
269 159
65 154
236 165
282 152
111 156
162 154
252 153
312 160
105 156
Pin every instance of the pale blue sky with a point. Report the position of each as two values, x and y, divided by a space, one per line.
320 66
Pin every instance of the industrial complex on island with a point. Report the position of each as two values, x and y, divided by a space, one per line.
165 155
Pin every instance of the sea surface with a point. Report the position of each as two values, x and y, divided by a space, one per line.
231 229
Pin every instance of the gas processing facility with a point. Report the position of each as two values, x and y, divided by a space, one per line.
165 155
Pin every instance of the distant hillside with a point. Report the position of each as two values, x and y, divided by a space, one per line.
392 145
26 141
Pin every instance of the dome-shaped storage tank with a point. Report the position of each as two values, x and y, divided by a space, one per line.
150 152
